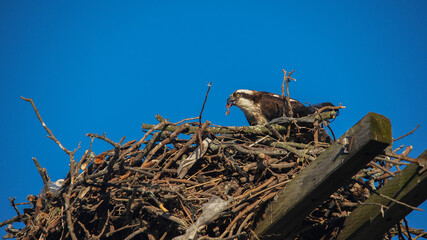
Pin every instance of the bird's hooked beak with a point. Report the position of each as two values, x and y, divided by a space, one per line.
230 102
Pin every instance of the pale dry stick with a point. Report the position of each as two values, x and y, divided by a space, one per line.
398 148
287 80
12 203
249 208
137 144
163 237
394 155
230 233
375 204
391 161
88 235
177 180
205 183
69 219
43 174
103 137
116 152
397 163
316 133
187 145
288 147
114 144
254 234
399 202
199 137
275 132
330 108
67 197
82 160
51 136
278 152
283 165
405 153
255 165
241 214
9 221
407 150
400 233
258 141
160 118
255 190
387 197
237 207
23 203
423 235
245 222
85 160
283 83
181 128
374 164
268 189
288 100
184 120
407 133
186 211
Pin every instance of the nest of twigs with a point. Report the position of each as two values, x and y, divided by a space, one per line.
189 181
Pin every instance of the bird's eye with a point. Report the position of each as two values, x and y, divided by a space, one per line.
237 94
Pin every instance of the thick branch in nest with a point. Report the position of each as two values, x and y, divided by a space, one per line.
258 129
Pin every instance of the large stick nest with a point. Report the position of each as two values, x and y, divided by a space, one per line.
191 181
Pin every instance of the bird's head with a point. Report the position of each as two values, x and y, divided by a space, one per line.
237 98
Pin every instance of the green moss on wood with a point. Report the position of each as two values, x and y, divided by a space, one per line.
380 128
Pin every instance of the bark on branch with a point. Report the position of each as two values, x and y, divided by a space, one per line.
50 134
258 129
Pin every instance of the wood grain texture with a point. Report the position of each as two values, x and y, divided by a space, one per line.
366 222
315 183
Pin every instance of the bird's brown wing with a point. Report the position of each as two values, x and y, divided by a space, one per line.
299 109
271 107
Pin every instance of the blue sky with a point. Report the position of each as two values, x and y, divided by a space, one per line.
107 67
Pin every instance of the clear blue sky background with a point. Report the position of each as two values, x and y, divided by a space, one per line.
107 67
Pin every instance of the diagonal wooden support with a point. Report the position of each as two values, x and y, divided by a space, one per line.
315 183
366 222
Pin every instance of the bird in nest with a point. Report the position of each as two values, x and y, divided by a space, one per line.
262 107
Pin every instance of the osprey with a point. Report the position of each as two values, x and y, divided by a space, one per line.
262 107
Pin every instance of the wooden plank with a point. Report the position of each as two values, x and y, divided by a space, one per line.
366 222
315 183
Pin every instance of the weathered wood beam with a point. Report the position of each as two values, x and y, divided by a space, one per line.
366 222
315 183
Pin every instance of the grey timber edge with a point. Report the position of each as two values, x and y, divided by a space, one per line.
314 184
